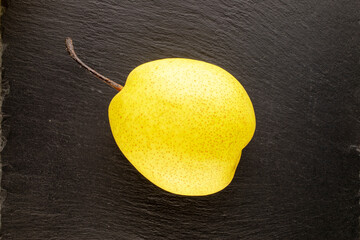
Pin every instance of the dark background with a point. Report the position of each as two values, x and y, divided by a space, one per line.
65 177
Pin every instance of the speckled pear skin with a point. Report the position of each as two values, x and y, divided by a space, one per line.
183 124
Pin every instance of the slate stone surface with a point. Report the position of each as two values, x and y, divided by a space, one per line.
299 61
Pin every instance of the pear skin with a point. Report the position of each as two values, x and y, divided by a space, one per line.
183 124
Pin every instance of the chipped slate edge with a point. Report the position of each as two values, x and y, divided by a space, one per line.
4 90
1 50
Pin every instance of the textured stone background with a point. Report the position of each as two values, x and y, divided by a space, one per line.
4 87
299 61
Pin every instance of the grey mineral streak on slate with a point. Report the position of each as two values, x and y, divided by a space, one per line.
297 179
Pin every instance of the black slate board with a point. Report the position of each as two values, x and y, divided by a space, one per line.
299 61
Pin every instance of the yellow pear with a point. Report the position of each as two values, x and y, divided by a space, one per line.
182 123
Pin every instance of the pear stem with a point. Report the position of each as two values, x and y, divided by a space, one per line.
71 51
